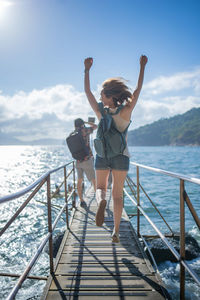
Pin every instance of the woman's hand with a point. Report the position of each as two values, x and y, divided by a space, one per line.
88 63
143 60
93 102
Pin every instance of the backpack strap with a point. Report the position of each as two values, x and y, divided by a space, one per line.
75 130
117 111
102 109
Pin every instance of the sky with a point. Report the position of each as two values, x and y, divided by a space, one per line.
43 45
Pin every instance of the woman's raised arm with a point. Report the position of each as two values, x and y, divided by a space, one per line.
93 102
136 93
126 112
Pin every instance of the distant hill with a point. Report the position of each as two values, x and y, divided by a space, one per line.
45 142
9 140
179 130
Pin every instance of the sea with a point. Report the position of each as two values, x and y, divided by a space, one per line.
20 166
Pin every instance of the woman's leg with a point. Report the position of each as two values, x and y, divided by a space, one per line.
117 193
101 181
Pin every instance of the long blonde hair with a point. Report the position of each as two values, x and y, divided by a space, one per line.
117 89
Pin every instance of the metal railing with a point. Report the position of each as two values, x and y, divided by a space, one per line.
34 189
183 199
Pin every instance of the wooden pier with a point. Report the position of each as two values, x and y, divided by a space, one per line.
90 266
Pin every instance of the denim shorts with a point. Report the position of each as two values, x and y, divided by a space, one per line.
119 162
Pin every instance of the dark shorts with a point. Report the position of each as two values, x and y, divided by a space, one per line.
119 162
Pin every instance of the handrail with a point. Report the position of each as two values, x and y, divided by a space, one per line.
173 250
30 265
191 208
28 277
183 199
37 185
19 210
167 243
31 186
171 174
129 181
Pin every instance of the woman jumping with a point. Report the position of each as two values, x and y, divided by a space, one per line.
113 94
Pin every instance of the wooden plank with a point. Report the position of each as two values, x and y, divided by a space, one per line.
99 255
100 234
134 295
110 283
92 267
66 258
103 268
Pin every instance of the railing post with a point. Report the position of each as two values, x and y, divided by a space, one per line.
138 202
50 225
182 240
65 185
74 184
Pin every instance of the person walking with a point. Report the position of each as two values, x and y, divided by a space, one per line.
114 94
86 164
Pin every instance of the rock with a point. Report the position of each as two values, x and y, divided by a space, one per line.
161 252
56 243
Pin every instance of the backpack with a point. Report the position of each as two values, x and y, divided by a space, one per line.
77 145
109 141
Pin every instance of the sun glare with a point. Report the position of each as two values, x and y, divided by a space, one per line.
4 7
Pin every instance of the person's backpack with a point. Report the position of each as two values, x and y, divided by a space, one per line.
109 141
77 145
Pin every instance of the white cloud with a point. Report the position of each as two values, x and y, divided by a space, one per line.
38 107
50 112
176 82
63 100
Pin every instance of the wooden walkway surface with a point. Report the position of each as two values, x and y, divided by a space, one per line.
90 266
